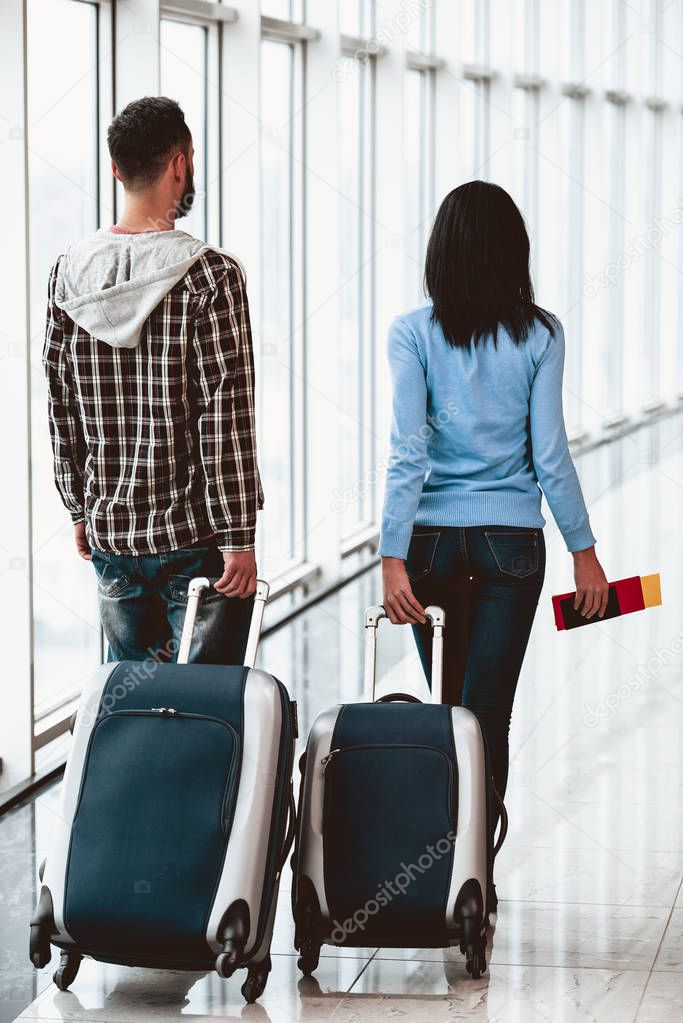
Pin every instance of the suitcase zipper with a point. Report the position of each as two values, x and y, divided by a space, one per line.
325 760
329 815
230 793
387 745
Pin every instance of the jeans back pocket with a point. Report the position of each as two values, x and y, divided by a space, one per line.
111 579
421 554
515 552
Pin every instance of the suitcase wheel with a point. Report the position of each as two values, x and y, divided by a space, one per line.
42 923
232 934
475 964
473 946
309 958
226 964
257 976
65 974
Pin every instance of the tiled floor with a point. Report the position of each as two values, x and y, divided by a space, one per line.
590 925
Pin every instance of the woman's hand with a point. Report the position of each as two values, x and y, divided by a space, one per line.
400 603
592 588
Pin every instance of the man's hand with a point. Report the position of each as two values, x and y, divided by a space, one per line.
239 574
81 542
592 588
400 603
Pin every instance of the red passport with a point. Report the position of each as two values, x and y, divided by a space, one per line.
625 596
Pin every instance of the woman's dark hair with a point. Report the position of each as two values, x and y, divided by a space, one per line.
477 267
144 136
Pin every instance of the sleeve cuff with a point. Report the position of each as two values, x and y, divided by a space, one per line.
237 540
77 517
394 542
579 539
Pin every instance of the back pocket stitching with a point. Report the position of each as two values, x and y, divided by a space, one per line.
506 571
115 588
427 570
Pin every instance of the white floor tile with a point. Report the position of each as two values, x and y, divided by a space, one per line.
116 994
596 874
671 952
555 934
427 992
663 999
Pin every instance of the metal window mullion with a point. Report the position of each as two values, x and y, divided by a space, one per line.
423 158
106 182
105 110
207 144
370 311
577 30
292 314
484 130
213 130
616 354
483 45
532 171
576 235
531 35
679 384
653 307
360 308
298 219
303 511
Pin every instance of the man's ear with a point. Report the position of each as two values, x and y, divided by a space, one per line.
116 172
179 164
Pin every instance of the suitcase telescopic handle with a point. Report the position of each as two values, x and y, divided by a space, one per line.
194 595
436 616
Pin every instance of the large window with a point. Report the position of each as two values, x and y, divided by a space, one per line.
356 256
280 347
566 288
184 77
419 180
525 112
64 197
326 134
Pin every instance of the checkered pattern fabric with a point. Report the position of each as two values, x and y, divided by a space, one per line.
154 446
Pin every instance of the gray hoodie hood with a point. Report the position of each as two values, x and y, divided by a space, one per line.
109 283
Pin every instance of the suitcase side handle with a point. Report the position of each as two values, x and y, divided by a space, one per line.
436 616
194 595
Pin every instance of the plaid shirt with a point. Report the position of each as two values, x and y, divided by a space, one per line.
155 446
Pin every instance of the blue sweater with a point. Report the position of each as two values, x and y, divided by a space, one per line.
475 433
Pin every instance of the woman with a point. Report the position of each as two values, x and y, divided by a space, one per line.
477 429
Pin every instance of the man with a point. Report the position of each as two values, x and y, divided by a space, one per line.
150 375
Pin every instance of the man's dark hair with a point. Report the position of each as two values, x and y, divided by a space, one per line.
144 136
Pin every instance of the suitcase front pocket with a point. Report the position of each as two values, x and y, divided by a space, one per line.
149 834
389 818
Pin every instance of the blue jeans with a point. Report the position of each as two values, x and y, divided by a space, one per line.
488 580
143 600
